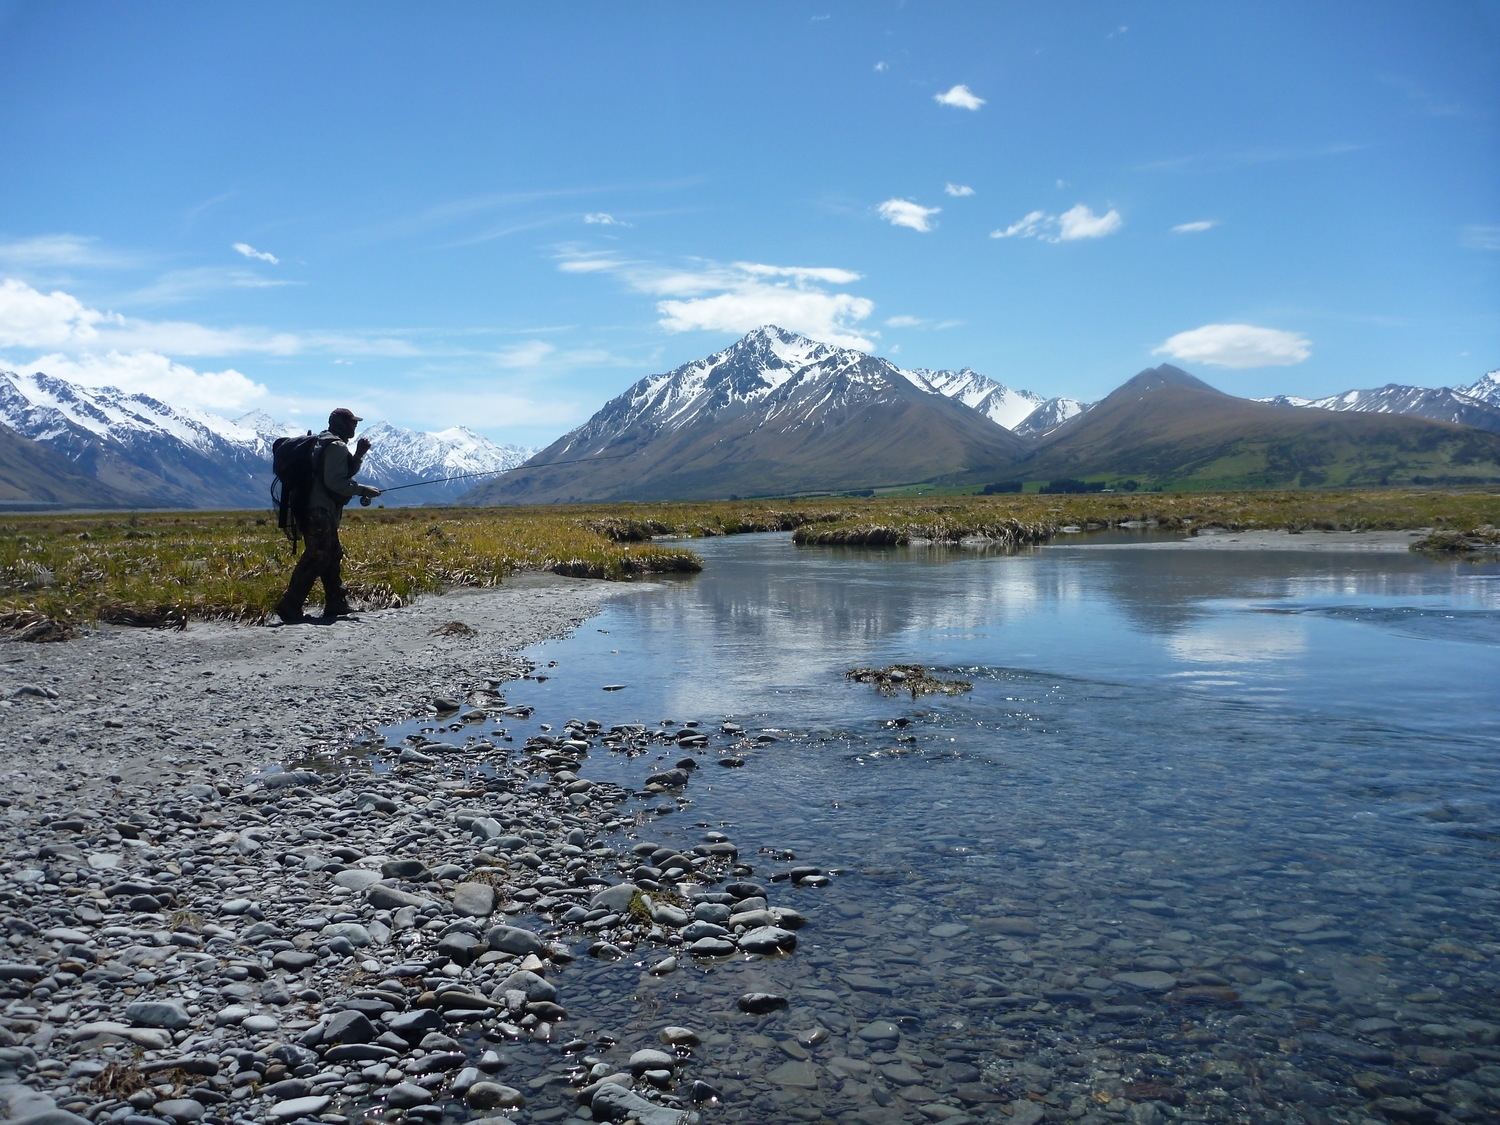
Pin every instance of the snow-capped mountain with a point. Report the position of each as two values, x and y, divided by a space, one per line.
997 402
402 457
772 414
1049 415
172 456
175 456
1442 404
1486 389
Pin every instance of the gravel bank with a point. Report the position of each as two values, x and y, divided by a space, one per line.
192 932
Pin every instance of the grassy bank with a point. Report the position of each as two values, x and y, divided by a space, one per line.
165 568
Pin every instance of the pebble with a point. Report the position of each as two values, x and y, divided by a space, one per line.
293 1108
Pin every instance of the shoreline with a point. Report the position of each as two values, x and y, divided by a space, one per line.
193 938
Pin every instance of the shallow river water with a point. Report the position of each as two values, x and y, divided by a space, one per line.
1213 837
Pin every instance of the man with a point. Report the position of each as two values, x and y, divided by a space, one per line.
318 520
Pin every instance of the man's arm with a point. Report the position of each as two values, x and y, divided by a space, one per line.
339 467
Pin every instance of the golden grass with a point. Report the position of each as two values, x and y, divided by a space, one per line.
166 568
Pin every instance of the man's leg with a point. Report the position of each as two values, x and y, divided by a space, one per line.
335 596
314 562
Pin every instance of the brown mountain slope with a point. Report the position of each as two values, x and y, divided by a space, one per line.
34 477
1165 426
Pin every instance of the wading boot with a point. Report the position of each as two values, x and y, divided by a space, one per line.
290 614
337 609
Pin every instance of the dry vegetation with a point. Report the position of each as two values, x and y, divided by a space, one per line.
163 569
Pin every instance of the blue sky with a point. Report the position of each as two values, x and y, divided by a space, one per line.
502 215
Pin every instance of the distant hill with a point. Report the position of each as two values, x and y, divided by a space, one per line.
1442 404
1166 426
33 478
775 413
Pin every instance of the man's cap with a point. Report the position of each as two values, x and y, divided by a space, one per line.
343 413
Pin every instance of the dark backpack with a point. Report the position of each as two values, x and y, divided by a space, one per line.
295 462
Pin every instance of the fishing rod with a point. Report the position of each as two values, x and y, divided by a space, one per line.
499 472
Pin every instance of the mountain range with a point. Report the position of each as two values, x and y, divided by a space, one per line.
776 413
1477 405
103 447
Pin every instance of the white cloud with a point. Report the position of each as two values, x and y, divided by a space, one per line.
903 321
32 319
958 190
589 264
1237 345
1032 225
881 66
905 213
1195 227
812 312
830 274
603 219
258 255
960 97
1077 222
742 296
154 374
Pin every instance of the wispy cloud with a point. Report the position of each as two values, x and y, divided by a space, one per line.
52 251
1424 99
1221 161
187 285
248 251
1195 227
958 190
1481 238
604 219
959 97
921 322
905 213
741 296
882 66
1076 223
1237 345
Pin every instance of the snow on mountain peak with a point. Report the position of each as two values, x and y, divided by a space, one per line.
1486 388
997 402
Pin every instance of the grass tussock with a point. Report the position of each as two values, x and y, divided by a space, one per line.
1018 520
1480 540
58 573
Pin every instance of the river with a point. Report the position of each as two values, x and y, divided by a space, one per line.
1213 835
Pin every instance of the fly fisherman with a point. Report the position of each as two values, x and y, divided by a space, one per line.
318 519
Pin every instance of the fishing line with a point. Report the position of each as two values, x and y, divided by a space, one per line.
501 472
